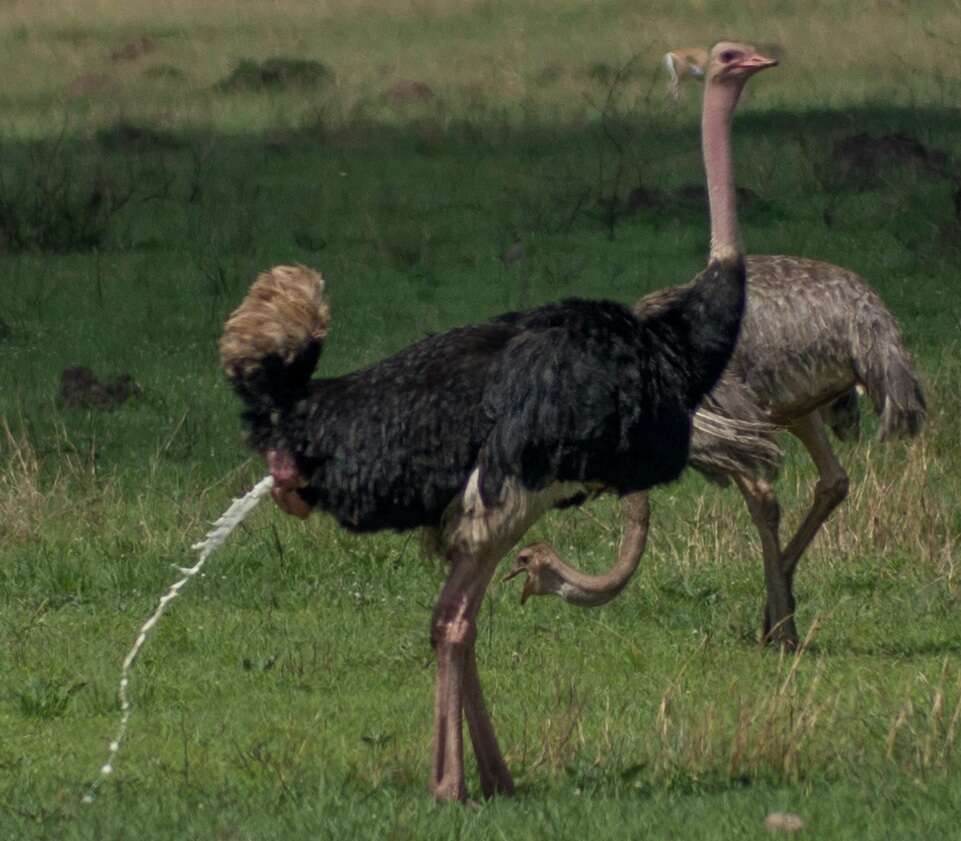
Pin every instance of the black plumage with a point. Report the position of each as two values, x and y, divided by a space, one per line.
578 391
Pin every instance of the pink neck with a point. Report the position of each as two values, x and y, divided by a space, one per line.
719 103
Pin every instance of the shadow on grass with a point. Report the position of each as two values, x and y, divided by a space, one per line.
76 195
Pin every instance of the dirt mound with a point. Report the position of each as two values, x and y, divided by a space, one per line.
409 92
87 85
80 389
277 74
133 50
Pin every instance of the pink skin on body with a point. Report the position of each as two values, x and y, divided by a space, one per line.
287 480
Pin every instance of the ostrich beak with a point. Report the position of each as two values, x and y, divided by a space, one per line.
755 62
528 589
520 565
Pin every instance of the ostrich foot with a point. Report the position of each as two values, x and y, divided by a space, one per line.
449 789
502 787
496 781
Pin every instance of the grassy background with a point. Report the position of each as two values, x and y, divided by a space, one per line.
288 693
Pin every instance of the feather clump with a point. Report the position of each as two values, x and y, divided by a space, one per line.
285 310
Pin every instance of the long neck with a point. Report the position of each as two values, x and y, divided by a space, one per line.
579 588
720 99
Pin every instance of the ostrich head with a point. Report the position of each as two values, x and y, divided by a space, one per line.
548 574
540 563
731 62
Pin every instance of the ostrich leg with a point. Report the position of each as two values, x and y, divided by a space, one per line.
454 631
829 493
494 775
766 513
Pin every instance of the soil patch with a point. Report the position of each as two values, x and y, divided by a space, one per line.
277 74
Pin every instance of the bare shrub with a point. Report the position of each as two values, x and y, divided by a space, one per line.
56 202
125 136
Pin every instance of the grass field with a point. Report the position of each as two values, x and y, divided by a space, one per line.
288 693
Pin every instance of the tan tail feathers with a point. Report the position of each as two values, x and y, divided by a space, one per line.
285 311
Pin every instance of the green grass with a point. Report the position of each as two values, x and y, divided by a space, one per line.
288 693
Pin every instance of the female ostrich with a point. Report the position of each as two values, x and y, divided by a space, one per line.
812 334
473 433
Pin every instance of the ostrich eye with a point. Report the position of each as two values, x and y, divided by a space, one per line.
729 55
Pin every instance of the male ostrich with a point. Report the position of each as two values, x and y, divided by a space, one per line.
473 433
812 334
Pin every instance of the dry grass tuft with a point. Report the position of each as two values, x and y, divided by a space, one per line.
899 502
900 505
560 734
21 500
752 736
36 491
894 506
924 731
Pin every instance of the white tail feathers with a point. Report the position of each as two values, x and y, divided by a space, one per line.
887 372
674 81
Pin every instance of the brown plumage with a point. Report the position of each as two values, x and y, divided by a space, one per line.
813 334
